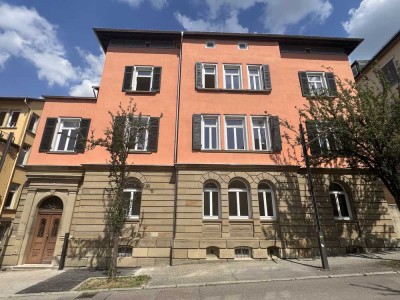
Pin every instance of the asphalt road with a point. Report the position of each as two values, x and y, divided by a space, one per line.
360 287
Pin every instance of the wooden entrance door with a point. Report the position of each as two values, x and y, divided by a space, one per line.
44 238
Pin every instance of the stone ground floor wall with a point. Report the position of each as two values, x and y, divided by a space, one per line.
154 238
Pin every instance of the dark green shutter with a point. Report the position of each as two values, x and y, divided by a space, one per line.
305 88
331 83
156 79
82 136
152 143
312 138
199 75
48 133
128 75
267 78
196 132
118 137
275 133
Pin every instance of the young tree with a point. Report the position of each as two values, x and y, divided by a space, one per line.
359 125
126 130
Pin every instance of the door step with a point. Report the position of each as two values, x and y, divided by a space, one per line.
33 267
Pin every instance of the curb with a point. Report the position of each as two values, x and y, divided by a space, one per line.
186 285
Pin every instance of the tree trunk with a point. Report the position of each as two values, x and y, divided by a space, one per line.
112 270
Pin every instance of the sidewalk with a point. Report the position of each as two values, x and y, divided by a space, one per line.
216 273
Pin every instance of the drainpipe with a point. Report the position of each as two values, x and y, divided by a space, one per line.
178 98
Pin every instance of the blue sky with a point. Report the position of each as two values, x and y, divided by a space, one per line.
47 47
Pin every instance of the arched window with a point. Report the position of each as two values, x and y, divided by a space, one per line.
266 201
134 195
211 206
340 202
239 206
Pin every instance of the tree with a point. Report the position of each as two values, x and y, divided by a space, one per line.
125 131
359 127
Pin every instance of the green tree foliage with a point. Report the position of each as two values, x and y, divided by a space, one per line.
360 127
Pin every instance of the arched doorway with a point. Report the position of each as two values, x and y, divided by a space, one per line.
45 231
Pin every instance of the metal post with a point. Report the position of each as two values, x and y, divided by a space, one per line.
320 235
64 251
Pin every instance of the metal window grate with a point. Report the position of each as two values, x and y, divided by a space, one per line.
242 252
124 251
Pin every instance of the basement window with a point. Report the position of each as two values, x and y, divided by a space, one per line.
124 251
242 252
210 44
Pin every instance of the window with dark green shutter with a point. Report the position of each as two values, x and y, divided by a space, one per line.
142 79
196 132
317 83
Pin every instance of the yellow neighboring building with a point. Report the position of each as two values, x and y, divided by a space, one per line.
18 122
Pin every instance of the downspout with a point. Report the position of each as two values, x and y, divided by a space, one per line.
178 98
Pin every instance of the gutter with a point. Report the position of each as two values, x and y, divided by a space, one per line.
178 98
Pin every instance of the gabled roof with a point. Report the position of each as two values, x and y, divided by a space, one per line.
105 35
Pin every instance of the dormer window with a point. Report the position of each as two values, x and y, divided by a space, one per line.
210 44
243 46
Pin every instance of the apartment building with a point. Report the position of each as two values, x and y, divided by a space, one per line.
19 118
217 177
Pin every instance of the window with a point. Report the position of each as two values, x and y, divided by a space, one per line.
235 133
317 83
139 133
210 80
3 115
242 46
134 196
254 73
354 69
124 251
238 200
390 71
65 135
13 119
232 77
11 196
324 140
261 134
142 79
210 44
242 252
211 201
210 132
340 202
23 155
266 201
33 123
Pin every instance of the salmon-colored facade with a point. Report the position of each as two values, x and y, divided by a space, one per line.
223 182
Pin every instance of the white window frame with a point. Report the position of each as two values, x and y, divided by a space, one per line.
203 74
5 117
132 191
26 149
336 193
203 127
244 120
267 132
233 66
237 191
251 78
12 189
10 118
323 81
243 43
263 192
146 134
214 45
35 124
135 76
57 135
210 191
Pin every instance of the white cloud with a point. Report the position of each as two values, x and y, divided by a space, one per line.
375 21
157 4
24 34
90 74
230 24
276 15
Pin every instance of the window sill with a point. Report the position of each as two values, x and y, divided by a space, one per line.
237 151
132 219
141 92
210 220
266 220
139 152
240 219
6 127
238 91
344 220
62 152
31 132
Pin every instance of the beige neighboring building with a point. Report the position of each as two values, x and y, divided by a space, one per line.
18 122
388 59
